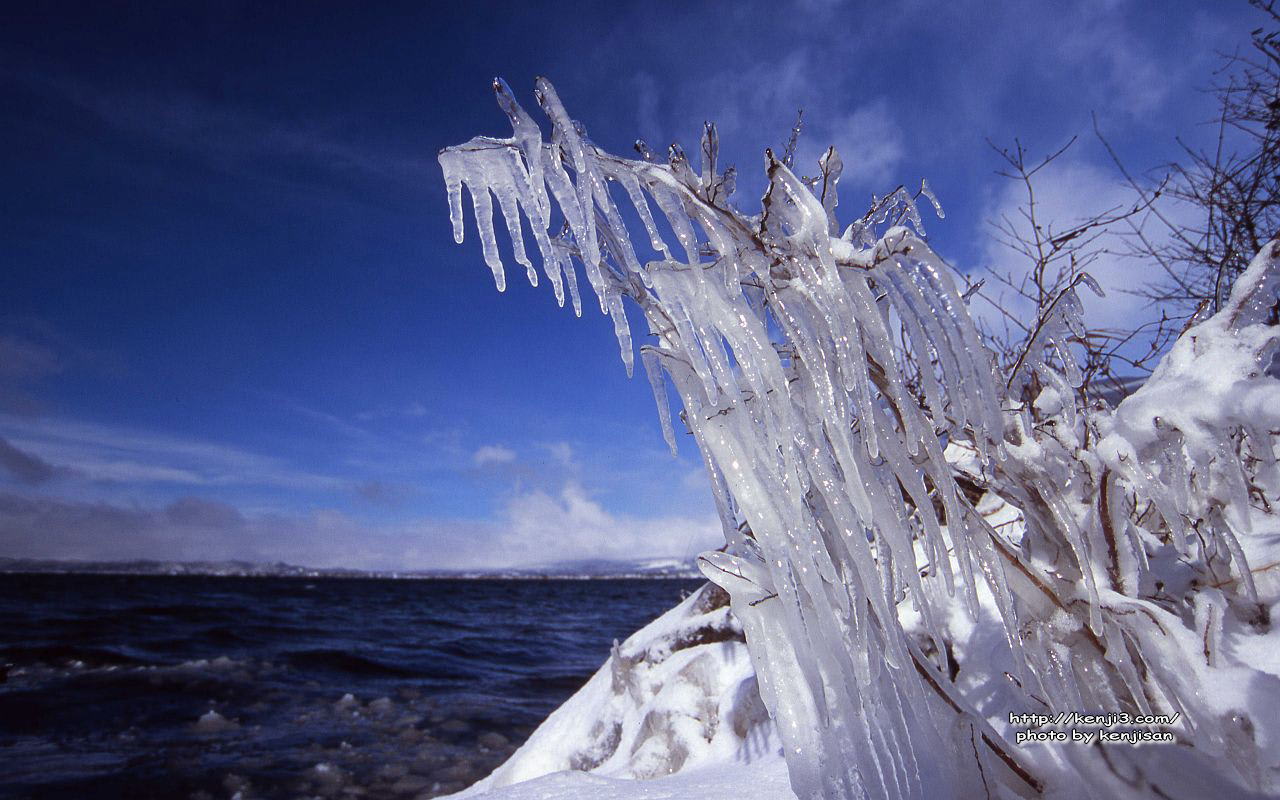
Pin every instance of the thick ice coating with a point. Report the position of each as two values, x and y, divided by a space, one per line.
823 375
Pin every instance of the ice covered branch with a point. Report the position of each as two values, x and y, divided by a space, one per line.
828 374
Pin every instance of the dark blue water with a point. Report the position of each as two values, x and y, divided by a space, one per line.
109 678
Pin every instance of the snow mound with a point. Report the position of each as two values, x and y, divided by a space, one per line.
763 779
678 696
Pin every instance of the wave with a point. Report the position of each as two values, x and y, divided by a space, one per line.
359 665
68 655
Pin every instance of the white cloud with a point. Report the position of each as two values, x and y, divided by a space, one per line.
869 142
1116 63
493 454
544 514
544 528
754 105
413 409
533 528
1068 192
562 452
696 479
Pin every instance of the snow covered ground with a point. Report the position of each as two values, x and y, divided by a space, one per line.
762 779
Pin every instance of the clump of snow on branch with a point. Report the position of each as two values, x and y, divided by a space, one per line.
824 371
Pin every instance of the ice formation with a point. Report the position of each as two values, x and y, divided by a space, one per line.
823 370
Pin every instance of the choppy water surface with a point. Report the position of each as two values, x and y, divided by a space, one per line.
317 688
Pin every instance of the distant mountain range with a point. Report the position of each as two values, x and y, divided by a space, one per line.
575 570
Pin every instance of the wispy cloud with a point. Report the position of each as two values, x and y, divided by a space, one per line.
24 364
1070 191
25 467
384 493
110 453
413 410
562 452
190 528
493 454
330 421
230 135
21 359
869 141
1119 65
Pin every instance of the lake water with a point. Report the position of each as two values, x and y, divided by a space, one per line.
317 687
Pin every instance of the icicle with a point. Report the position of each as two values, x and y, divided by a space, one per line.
489 244
571 278
622 330
832 167
1239 562
632 187
511 213
927 191
654 372
669 203
453 187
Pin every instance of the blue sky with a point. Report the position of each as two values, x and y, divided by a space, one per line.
233 323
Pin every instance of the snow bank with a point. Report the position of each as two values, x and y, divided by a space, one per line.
677 702
762 779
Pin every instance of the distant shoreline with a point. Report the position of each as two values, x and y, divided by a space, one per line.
12 566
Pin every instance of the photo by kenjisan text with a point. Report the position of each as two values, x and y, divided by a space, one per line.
1082 728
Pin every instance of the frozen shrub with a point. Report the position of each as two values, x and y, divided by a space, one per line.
825 371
